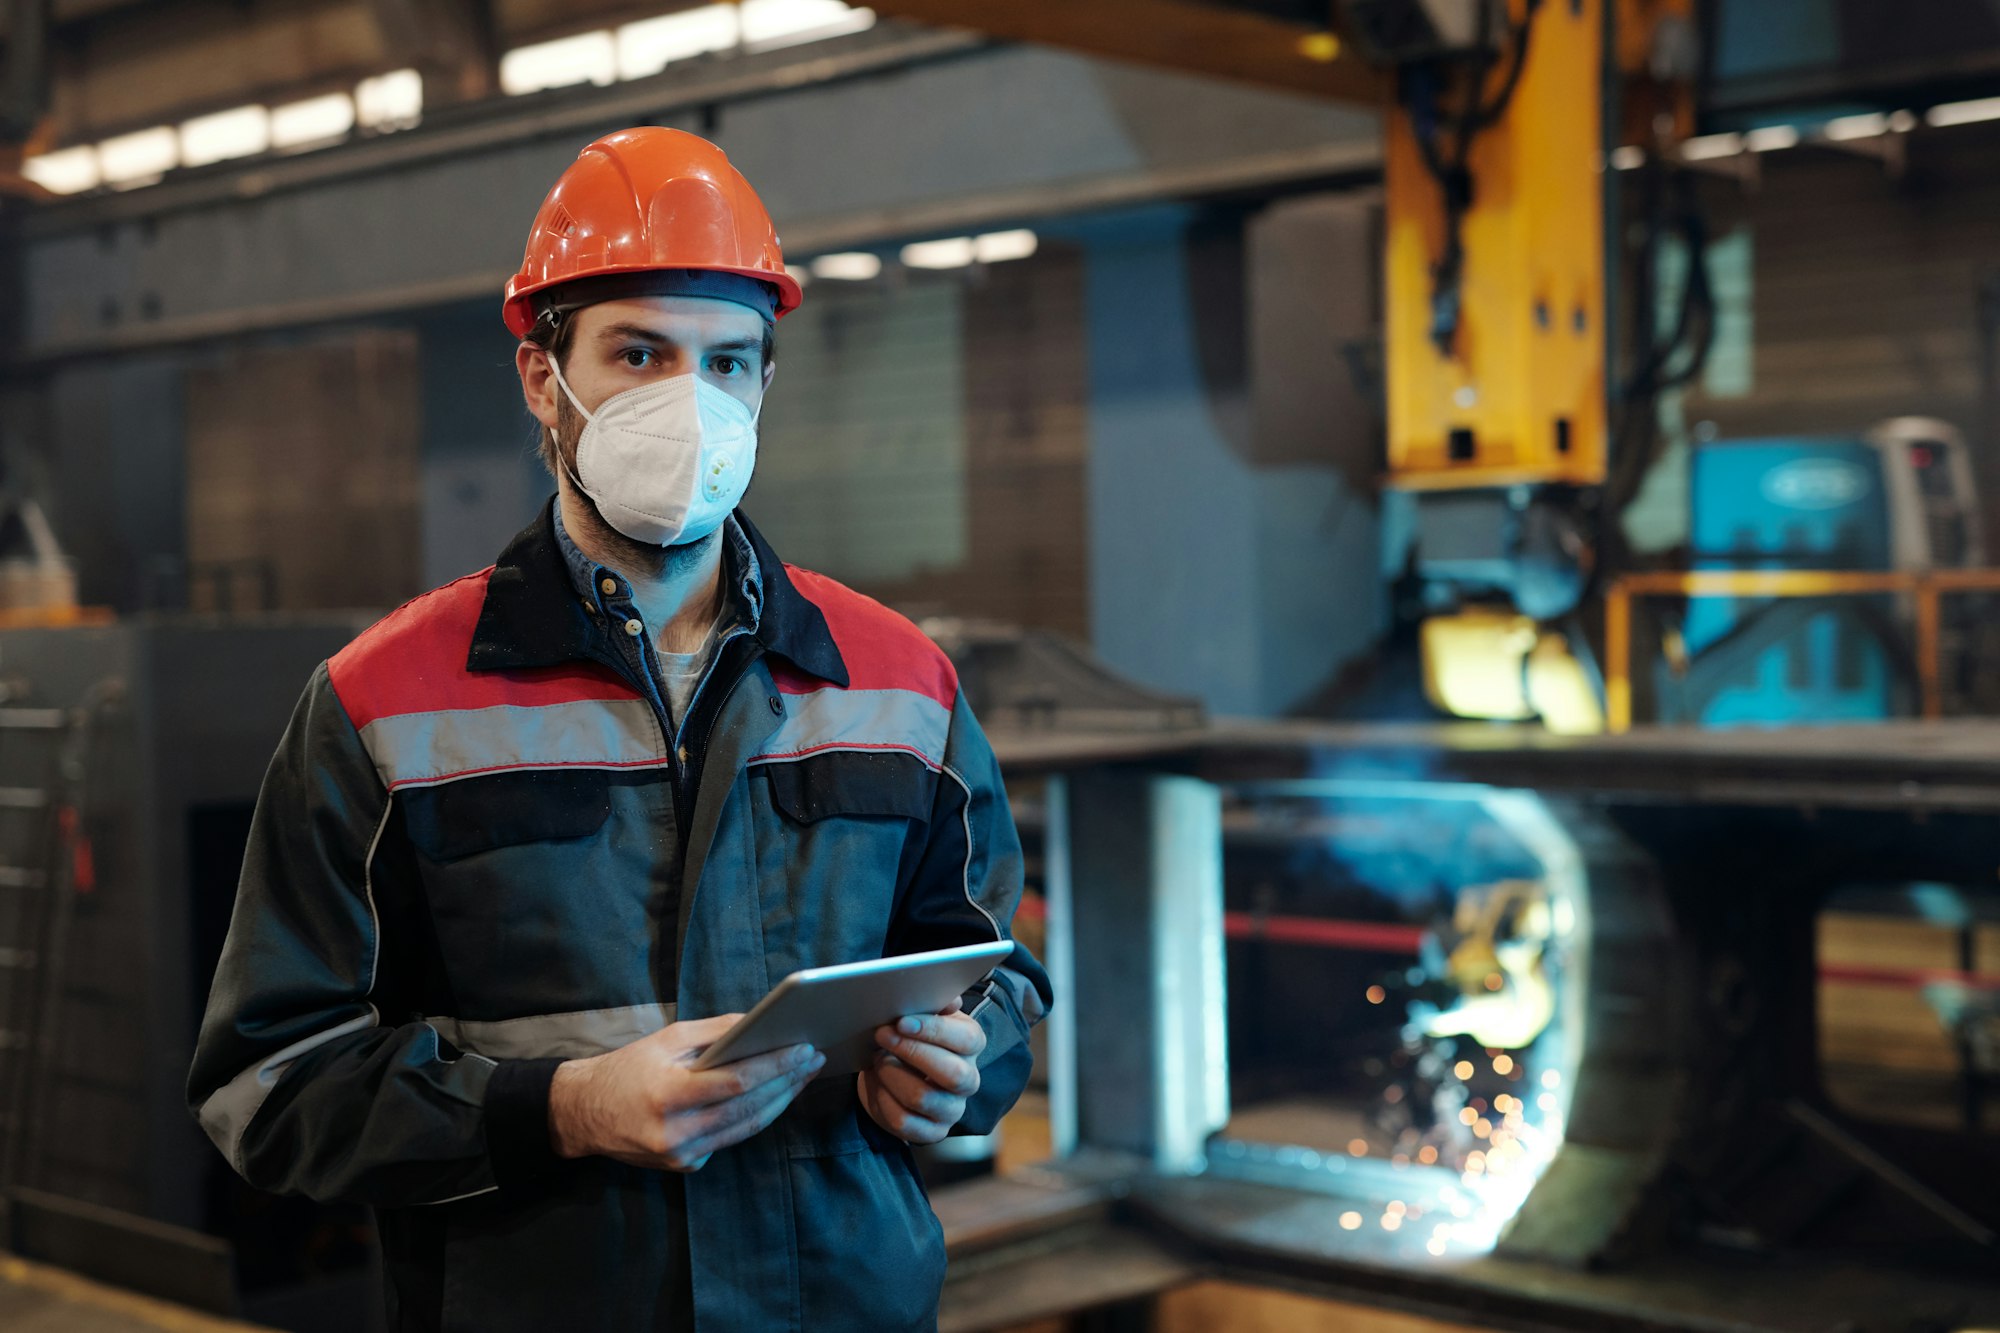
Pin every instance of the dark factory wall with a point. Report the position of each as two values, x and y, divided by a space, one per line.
101 444
925 438
1863 300
1232 520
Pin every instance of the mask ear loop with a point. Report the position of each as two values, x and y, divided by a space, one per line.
556 370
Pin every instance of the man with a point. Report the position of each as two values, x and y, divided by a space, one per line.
540 835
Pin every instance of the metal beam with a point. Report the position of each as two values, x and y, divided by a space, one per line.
1335 164
493 127
1176 34
435 215
1152 1061
453 44
26 92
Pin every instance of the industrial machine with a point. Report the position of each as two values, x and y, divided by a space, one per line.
1899 498
130 755
1390 998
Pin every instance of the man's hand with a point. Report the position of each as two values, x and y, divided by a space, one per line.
923 1074
644 1105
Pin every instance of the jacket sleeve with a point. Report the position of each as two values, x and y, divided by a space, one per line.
964 891
296 1076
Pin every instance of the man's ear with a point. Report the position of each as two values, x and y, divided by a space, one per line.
538 386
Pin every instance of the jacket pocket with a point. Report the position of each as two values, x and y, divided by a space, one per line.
458 819
824 1120
870 1250
855 782
834 846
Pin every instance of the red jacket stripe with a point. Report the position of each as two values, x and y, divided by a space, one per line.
413 661
881 649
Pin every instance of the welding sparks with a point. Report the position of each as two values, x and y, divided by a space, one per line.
1482 1015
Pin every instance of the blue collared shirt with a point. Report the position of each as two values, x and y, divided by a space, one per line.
608 595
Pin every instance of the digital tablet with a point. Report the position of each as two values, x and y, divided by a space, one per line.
838 1008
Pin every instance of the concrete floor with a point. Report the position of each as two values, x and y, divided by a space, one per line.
37 1299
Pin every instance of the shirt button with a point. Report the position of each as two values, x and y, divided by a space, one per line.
777 705
609 585
684 754
633 627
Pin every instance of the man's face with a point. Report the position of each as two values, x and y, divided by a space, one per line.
620 345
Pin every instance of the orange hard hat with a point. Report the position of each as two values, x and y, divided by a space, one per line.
643 200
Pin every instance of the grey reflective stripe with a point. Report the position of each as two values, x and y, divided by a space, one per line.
570 1036
416 748
230 1108
966 787
836 719
986 997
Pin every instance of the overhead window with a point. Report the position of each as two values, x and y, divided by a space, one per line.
588 57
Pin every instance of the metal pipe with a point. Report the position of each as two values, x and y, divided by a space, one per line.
1618 658
1927 650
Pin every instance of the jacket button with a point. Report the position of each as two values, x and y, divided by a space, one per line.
633 627
609 585
777 705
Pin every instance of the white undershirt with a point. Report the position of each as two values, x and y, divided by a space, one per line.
680 673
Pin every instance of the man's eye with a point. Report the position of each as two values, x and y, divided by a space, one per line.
728 365
637 357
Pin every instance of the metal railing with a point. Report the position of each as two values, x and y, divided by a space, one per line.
1927 588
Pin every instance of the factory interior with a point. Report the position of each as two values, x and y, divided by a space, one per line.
1462 523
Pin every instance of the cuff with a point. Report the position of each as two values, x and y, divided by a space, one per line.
517 1122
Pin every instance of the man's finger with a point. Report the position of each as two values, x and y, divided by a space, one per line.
949 1070
918 1094
705 1087
694 1034
898 1119
733 1121
954 1032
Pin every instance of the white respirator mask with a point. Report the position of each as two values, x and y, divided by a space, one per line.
665 462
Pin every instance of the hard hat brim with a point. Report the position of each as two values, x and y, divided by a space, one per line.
518 307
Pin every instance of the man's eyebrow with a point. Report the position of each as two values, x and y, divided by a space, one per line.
620 331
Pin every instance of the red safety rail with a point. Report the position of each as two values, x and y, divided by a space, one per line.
1397 937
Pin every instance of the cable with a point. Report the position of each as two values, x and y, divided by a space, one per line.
1453 177
1676 361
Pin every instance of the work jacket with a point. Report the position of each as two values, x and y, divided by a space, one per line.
479 852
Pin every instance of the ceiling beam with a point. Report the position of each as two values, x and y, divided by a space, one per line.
1185 35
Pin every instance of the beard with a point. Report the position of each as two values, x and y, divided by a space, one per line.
634 559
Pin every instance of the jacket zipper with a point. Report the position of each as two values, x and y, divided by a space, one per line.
706 708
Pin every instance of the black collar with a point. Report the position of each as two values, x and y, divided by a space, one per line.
532 617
